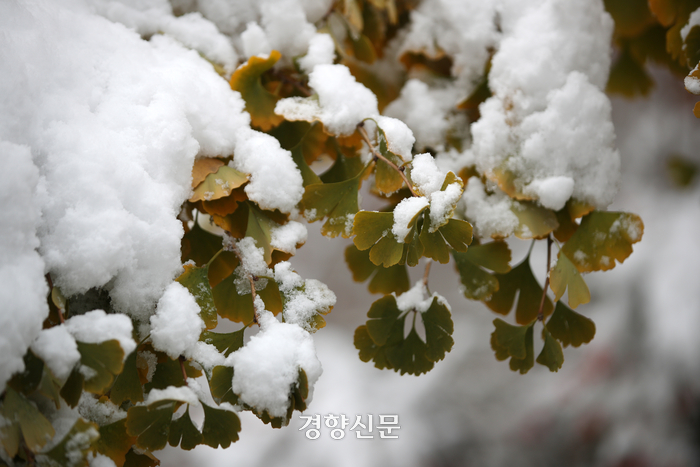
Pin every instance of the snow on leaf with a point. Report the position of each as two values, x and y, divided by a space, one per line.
75 446
104 361
127 385
151 423
219 184
565 275
514 342
196 280
26 418
551 355
383 280
337 201
387 179
520 278
569 327
184 433
535 221
259 102
602 238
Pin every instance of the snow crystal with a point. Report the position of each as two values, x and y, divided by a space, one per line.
413 299
425 174
342 101
287 237
97 326
692 83
548 116
552 192
57 348
102 412
182 393
176 326
321 51
302 298
255 41
424 110
693 21
399 137
490 215
252 259
115 132
23 291
442 205
404 212
275 180
156 16
268 365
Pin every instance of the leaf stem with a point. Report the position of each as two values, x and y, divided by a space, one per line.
378 155
182 367
426 274
216 255
540 313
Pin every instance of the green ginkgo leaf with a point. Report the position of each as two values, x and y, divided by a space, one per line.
196 280
104 361
551 355
26 418
565 276
226 343
221 427
114 441
383 280
535 221
478 284
221 383
151 424
184 433
520 278
259 102
386 178
514 342
127 386
438 330
73 449
602 238
569 327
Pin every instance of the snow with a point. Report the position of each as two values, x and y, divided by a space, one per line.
287 237
176 326
97 326
101 412
342 101
693 20
57 348
24 289
425 174
252 260
321 52
404 212
443 204
414 299
490 214
275 180
182 393
553 192
692 82
268 365
399 137
303 299
255 41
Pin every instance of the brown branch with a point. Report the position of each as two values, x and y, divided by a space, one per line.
540 313
378 155
251 279
427 273
182 367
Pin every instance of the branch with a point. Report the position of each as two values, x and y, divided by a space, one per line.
378 155
540 313
427 273
182 367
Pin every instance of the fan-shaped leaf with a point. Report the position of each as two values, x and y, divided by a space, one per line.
197 282
259 102
104 360
383 280
565 275
551 355
220 428
219 184
570 327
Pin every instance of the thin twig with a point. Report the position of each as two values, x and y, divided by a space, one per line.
251 279
540 313
378 155
182 367
427 272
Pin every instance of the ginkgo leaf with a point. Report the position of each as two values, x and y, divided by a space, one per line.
565 275
221 427
551 355
204 166
370 226
478 284
221 383
515 342
494 256
73 387
631 17
456 232
196 280
114 441
151 424
35 428
383 280
29 379
50 387
259 102
567 226
127 386
225 343
535 221
410 355
226 205
438 330
142 459
337 201
520 279
382 315
219 184
628 77
343 168
362 48
73 449
169 373
386 178
374 230
569 327
308 176
104 362
260 228
184 433
602 238
232 305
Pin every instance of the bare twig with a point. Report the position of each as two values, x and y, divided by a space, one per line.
182 367
378 155
540 313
